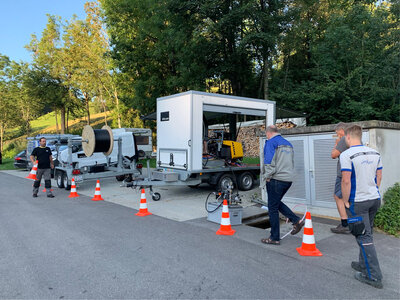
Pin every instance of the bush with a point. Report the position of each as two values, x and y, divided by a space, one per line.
388 216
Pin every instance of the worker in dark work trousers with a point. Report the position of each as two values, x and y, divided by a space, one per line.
361 178
45 161
340 147
278 174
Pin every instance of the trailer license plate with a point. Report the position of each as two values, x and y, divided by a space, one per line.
78 178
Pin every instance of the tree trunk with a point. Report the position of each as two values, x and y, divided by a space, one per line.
118 111
67 129
62 120
55 115
1 137
266 76
87 108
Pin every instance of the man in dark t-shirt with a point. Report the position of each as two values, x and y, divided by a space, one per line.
45 161
340 146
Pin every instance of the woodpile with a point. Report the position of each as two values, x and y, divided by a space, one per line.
249 136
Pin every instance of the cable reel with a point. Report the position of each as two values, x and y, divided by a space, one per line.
97 140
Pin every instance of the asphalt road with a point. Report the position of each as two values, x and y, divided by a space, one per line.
76 248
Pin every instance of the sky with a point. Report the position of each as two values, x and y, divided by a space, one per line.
21 18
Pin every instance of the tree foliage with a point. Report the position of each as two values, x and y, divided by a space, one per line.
335 60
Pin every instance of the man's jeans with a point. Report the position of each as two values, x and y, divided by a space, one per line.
276 189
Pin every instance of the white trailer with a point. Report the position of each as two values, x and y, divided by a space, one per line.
182 135
126 146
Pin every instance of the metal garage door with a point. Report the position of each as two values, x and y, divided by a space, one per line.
315 170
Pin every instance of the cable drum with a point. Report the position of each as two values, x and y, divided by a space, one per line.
97 140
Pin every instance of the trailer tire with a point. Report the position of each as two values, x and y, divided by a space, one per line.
65 181
245 181
224 181
156 196
59 179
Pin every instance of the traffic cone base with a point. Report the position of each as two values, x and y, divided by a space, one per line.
143 206
303 252
97 194
225 228
308 247
73 193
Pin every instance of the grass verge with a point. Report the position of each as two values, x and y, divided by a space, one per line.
8 164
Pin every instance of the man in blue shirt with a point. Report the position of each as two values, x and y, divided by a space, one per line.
278 173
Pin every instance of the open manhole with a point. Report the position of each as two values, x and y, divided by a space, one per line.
259 221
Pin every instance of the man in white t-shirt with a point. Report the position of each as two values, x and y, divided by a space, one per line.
361 176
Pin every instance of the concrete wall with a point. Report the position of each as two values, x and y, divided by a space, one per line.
387 142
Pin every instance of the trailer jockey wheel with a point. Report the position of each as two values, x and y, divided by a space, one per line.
156 196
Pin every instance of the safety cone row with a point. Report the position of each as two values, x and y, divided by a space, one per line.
308 247
32 173
73 192
143 206
97 193
225 228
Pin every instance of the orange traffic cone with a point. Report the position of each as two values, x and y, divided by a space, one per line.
225 228
143 206
308 247
73 193
32 174
97 194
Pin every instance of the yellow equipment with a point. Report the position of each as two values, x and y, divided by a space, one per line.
236 149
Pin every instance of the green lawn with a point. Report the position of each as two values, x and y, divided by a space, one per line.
251 160
7 164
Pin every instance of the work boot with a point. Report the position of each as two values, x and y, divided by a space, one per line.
372 282
34 195
356 266
341 229
50 196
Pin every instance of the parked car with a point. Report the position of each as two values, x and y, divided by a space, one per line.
21 161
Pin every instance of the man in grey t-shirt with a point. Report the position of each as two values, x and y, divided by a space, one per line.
340 146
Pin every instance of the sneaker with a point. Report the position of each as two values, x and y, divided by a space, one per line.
372 282
50 196
34 195
297 227
340 229
356 266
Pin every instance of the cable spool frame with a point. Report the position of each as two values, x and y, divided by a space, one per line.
89 140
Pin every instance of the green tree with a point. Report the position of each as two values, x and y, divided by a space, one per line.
48 60
8 107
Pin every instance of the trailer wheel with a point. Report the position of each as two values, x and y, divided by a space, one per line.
245 181
225 182
65 182
156 196
59 179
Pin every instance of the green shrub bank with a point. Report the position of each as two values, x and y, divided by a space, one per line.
388 216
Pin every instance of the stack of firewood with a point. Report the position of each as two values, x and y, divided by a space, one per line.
285 125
